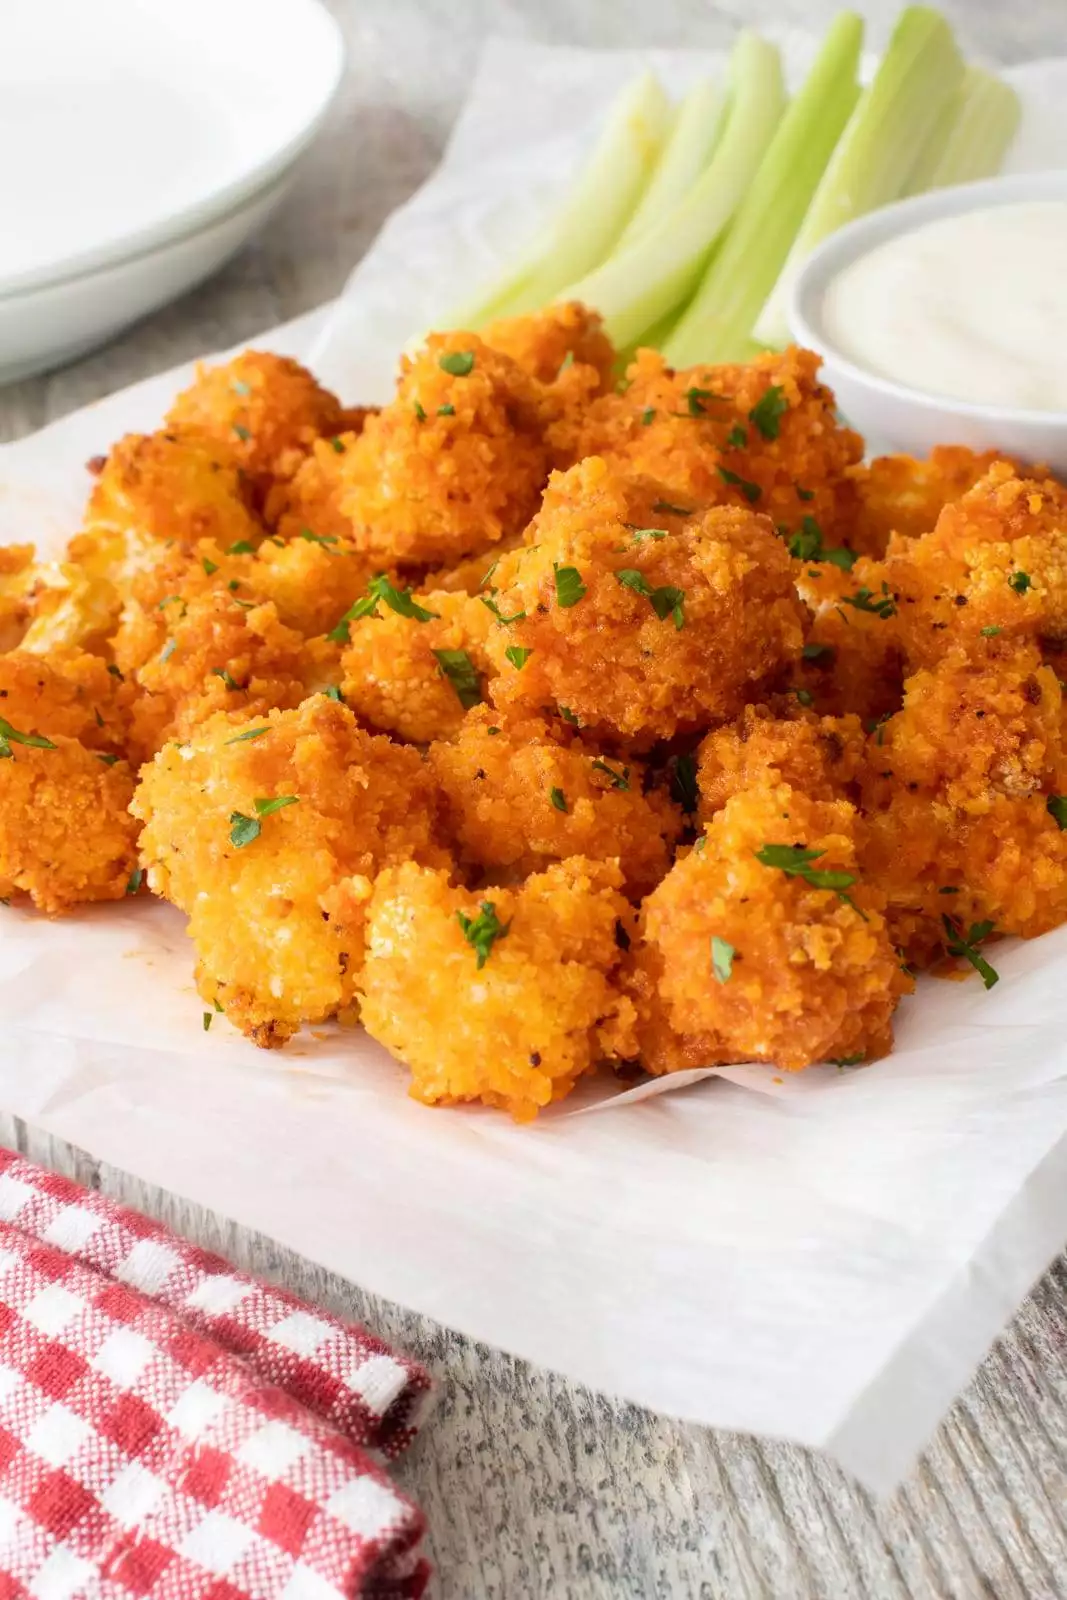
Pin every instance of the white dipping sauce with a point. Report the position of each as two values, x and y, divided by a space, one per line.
973 307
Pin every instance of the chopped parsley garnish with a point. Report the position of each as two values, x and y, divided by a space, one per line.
457 363
568 716
134 881
242 433
646 416
804 494
990 633
446 411
108 760
420 411
950 888
334 693
338 445
569 586
683 771
482 932
619 780
567 362
751 491
10 736
114 671
250 733
769 410
803 696
817 652
957 943
221 672
796 862
807 545
239 386
558 799
169 600
877 726
241 548
491 605
168 650
234 584
490 569
264 808
865 600
694 399
492 731
722 959
847 1061
207 1020
664 508
737 438
1020 582
461 673
1056 806
666 601
318 538
517 656
639 535
243 829
210 567
399 600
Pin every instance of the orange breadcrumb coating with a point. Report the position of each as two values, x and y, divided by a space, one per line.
995 564
820 756
853 658
899 494
957 793
474 575
619 665
540 344
68 693
454 465
814 976
278 923
16 564
688 428
540 1012
265 410
392 678
521 792
66 834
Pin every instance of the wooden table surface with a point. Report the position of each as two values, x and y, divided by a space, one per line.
533 1486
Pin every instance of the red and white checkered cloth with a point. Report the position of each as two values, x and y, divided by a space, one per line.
173 1430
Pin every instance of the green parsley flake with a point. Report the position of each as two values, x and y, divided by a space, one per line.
338 445
242 433
250 733
666 601
737 438
957 943
1056 806
619 780
460 671
446 411
221 672
722 959
796 862
694 399
807 545
683 770
134 881
568 716
241 548
558 799
109 761
243 829
569 586
990 633
114 671
207 1015
239 386
490 569
334 693
10 736
663 508
639 535
847 1061
420 411
804 494
491 605
210 567
379 588
318 538
769 410
482 932
646 416
517 656
169 600
1020 582
817 652
751 491
264 808
492 732
803 696
865 600
457 363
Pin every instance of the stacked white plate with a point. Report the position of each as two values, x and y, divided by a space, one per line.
144 142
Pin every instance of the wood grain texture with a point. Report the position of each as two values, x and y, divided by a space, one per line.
533 1486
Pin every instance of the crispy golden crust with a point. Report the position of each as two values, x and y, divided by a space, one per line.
687 428
264 410
67 693
905 496
619 665
542 343
522 792
521 1029
814 976
454 465
278 922
820 756
16 564
853 658
395 682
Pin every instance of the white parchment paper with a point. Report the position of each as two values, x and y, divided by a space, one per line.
824 1258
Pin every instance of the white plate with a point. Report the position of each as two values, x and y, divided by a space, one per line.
129 122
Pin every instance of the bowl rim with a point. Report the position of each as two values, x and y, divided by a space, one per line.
313 19
864 234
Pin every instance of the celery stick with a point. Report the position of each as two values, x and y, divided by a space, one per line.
972 134
647 278
717 326
695 131
597 208
919 73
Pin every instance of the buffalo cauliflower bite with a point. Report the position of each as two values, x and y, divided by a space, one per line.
905 496
642 623
506 997
521 792
961 795
415 671
269 840
453 465
547 342
762 435
265 410
762 957
68 693
820 756
853 660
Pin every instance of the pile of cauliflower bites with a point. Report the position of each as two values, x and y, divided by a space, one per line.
542 720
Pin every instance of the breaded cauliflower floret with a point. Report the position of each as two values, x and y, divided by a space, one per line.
640 622
264 410
958 793
16 583
548 341
68 693
415 673
853 660
276 892
820 756
765 964
521 792
902 495
453 465
504 997
995 564
66 834
762 435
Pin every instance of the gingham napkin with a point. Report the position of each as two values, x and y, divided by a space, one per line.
173 1430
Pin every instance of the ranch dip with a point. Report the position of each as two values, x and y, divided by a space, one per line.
972 307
